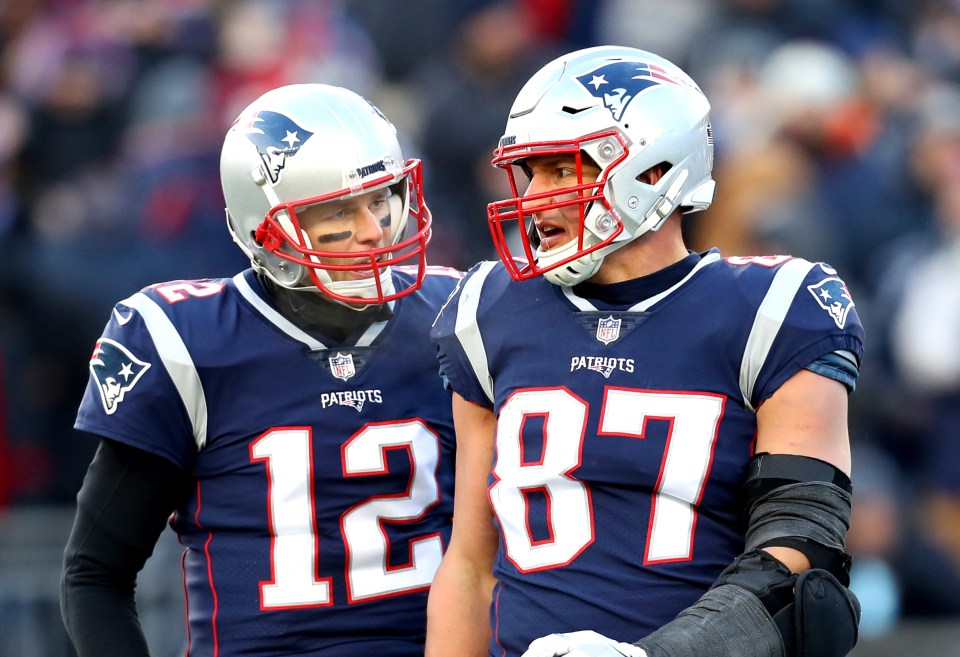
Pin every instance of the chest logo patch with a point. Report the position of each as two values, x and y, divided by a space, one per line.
608 329
342 367
116 371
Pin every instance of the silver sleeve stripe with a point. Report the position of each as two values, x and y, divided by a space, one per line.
848 355
770 315
467 330
177 361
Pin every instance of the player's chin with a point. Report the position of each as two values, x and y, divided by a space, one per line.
352 275
555 240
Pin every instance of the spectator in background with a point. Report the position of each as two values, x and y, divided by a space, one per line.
466 93
118 178
805 115
898 571
925 323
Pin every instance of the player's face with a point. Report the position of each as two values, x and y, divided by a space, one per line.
348 225
551 175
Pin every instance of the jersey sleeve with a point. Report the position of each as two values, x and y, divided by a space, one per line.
820 320
130 396
460 346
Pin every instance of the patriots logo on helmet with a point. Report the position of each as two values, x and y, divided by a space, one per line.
619 83
116 372
276 137
834 297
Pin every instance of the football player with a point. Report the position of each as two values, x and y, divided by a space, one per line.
289 421
652 442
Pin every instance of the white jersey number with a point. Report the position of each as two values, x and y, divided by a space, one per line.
683 470
295 547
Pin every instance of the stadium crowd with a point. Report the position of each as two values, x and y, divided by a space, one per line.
837 127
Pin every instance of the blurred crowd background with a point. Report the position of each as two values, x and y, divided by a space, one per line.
837 126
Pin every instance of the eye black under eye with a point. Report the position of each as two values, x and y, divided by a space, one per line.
330 238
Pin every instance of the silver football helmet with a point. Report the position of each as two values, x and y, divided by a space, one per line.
628 110
304 144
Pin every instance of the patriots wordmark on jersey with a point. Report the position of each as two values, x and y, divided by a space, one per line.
624 431
323 472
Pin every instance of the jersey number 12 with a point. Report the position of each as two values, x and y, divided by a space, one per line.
295 546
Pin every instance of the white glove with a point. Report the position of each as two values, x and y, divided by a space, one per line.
585 643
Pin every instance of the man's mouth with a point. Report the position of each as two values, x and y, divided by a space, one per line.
551 236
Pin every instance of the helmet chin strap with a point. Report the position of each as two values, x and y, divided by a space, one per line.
361 289
581 269
572 273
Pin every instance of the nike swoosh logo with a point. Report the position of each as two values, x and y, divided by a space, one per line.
122 319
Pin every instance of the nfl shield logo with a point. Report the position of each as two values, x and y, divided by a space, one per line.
608 329
342 366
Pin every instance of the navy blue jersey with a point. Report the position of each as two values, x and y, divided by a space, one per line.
324 473
623 434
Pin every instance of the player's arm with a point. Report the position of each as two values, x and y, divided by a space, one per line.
798 513
125 501
806 417
798 494
458 610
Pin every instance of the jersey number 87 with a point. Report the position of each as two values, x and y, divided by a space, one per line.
694 419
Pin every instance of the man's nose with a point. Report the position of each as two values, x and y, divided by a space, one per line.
369 229
538 192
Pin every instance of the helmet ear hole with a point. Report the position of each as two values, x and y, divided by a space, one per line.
652 175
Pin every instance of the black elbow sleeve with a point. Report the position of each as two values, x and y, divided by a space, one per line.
802 503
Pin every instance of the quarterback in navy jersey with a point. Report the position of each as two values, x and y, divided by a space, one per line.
289 422
653 457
